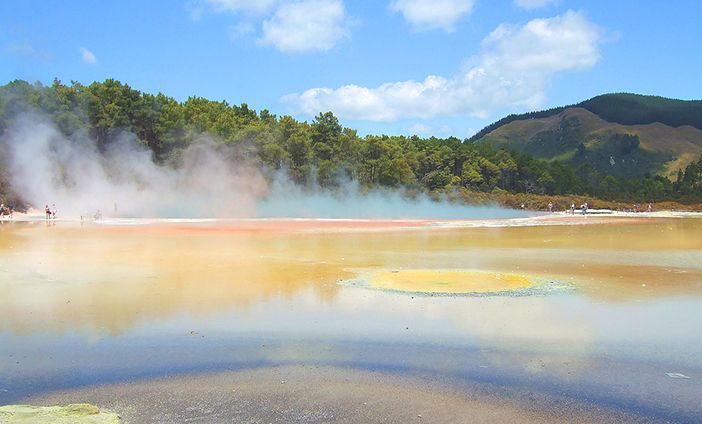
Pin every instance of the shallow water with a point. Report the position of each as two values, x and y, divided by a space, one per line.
600 312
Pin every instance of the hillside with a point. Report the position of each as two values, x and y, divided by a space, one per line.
623 135
633 109
82 133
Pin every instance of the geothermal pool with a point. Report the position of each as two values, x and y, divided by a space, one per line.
578 319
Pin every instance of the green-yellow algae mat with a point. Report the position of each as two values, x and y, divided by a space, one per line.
78 413
449 281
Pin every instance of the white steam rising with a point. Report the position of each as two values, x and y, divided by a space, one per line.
47 168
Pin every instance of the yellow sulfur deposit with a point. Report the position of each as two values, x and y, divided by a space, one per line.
79 413
448 281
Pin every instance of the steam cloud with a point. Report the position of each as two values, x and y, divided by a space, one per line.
45 167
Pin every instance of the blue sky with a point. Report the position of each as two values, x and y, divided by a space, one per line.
430 67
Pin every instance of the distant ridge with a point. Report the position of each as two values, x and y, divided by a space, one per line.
623 135
637 109
621 108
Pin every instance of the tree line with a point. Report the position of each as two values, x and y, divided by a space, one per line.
321 153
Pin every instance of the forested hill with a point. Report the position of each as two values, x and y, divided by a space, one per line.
621 108
622 135
636 109
564 154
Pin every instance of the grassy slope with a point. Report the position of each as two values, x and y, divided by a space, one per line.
557 137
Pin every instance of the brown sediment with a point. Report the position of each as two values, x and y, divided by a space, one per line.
310 394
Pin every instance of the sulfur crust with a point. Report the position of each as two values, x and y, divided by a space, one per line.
79 413
449 281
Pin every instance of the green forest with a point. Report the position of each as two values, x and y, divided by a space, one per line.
322 153
623 108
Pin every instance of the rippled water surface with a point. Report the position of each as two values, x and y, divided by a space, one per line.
609 312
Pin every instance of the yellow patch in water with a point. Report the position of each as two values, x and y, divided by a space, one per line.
449 281
72 414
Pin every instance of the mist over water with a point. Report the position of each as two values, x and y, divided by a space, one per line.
122 180
351 202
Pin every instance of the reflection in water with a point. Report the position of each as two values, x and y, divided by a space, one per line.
140 299
110 279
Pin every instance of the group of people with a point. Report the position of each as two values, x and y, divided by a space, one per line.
50 211
8 210
637 208
583 208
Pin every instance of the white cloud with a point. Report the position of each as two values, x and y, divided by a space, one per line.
291 26
198 8
88 56
534 4
246 6
306 25
513 70
433 14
